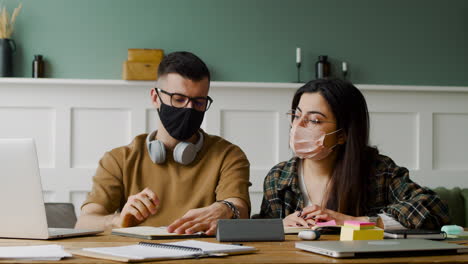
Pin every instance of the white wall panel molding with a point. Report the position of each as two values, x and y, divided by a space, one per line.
386 126
450 141
75 121
29 121
95 131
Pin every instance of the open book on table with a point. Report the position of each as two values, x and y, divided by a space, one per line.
150 232
144 251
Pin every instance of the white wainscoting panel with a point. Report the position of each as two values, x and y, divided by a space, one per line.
75 121
38 122
451 141
235 126
95 131
385 127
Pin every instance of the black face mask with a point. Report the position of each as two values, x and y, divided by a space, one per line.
180 123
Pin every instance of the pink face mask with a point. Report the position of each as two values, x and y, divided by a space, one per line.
308 143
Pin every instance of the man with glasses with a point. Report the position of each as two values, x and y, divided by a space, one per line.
177 176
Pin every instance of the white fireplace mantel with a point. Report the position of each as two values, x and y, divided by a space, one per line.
237 85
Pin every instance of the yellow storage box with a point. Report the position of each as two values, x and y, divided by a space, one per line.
145 55
142 64
140 71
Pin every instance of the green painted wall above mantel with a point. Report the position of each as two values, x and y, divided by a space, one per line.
418 42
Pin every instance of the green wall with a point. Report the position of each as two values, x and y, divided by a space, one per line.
419 42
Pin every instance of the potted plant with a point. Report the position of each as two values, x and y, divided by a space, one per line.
7 45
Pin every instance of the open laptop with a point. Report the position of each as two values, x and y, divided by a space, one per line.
381 248
21 200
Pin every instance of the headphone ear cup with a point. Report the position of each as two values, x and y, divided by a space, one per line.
157 151
185 153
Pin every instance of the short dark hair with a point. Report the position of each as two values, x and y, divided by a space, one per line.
353 166
184 63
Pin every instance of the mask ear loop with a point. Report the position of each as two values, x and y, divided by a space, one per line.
158 99
332 147
333 132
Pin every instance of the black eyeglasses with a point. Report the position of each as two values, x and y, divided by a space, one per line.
178 100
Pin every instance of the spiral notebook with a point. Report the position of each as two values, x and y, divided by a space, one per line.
145 251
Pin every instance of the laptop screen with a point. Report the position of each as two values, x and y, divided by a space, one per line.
21 183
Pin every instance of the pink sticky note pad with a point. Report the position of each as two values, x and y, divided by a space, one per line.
329 223
359 223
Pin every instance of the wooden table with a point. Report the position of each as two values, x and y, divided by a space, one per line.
269 252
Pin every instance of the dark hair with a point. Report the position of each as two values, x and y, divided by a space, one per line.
354 159
186 64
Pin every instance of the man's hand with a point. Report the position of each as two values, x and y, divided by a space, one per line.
138 208
202 219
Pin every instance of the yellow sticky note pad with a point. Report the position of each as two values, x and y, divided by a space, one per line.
358 225
349 234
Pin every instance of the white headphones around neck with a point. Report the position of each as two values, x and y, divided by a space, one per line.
184 152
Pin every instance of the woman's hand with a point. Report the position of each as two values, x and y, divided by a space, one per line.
295 220
320 214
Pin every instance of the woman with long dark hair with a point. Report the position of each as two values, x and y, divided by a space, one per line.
336 175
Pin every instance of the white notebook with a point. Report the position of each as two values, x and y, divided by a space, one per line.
42 252
144 251
150 232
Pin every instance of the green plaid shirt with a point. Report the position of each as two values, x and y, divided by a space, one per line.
391 191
